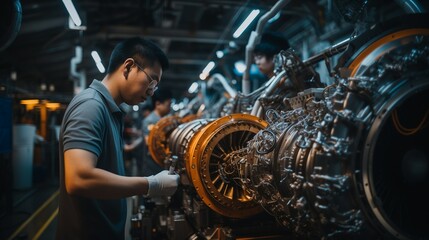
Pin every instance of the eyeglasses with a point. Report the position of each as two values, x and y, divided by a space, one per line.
153 84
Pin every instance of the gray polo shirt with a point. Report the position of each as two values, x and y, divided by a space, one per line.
92 122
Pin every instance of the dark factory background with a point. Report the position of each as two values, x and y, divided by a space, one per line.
46 58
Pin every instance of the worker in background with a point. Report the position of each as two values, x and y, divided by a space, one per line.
144 112
93 187
135 145
161 104
270 45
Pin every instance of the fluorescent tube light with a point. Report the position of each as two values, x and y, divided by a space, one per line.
246 23
95 56
72 12
193 88
209 67
240 66
100 67
97 61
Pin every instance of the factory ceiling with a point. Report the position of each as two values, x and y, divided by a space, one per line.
37 63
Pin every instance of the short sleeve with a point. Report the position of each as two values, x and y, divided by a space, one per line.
84 126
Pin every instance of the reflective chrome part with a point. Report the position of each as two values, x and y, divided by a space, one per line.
411 6
179 144
395 193
346 161
254 39
311 166
295 76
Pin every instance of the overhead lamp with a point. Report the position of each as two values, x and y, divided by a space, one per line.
246 23
193 88
72 12
43 86
13 76
209 67
219 54
203 76
98 62
52 105
30 101
240 66
205 73
232 45
175 107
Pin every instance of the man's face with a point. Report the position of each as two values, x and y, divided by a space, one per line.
164 107
141 82
265 65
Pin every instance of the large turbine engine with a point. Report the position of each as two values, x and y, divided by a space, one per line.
347 161
352 160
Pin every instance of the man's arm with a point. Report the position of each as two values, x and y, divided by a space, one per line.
84 179
133 145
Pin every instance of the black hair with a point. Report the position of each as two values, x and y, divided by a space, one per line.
139 49
271 44
146 107
161 95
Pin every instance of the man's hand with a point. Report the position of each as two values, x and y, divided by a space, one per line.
162 184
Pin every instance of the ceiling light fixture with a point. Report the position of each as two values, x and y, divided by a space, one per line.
97 61
240 66
219 54
209 67
193 88
246 23
205 73
72 12
203 76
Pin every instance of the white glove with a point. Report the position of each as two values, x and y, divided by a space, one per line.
162 184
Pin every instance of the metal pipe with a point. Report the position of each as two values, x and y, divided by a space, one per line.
222 80
254 39
79 81
270 86
334 50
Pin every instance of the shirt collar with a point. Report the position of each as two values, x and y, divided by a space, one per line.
99 87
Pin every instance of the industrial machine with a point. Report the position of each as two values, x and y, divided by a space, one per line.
344 161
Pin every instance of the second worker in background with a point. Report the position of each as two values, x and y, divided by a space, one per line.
161 105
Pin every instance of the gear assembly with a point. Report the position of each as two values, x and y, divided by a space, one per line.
318 165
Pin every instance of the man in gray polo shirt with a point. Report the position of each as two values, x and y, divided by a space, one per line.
93 185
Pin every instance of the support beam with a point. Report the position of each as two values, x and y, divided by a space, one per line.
121 32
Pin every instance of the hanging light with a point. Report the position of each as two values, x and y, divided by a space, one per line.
246 23
97 61
72 12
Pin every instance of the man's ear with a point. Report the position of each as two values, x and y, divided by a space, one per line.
127 69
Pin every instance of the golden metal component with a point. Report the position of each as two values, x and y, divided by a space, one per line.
396 36
158 138
189 118
213 159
